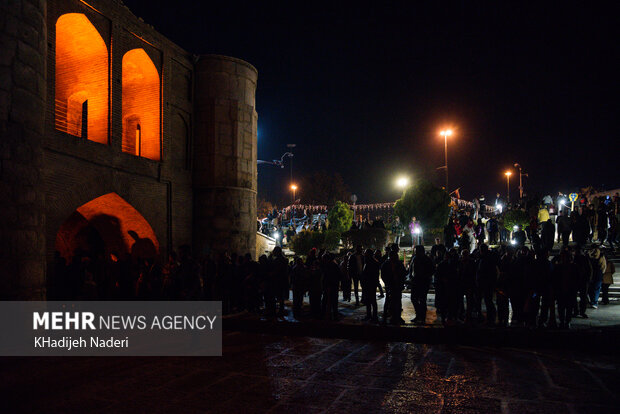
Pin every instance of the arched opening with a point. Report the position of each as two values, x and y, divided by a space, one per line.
100 250
141 105
81 101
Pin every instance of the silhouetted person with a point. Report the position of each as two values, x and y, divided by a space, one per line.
584 276
564 227
331 281
547 235
370 281
487 278
355 266
316 283
564 281
393 275
299 282
279 268
421 271
467 283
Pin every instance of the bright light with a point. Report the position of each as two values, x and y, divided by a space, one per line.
402 182
293 187
446 132
513 242
508 173
562 202
515 227
416 230
276 236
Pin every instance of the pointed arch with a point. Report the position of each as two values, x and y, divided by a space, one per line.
141 105
108 224
82 81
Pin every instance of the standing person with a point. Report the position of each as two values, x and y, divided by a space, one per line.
487 279
370 281
315 276
449 234
331 281
599 266
504 285
608 279
581 228
446 285
393 274
564 227
493 229
299 281
380 259
467 282
612 233
602 223
565 281
421 271
584 276
279 268
355 266
544 283
547 235
480 232
437 250
346 279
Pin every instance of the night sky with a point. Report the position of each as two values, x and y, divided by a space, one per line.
364 90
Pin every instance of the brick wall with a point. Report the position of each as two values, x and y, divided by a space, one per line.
46 173
23 42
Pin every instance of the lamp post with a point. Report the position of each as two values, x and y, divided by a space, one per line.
521 175
508 174
446 133
290 148
294 189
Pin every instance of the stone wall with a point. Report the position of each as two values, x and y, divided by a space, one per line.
224 173
78 170
202 190
23 46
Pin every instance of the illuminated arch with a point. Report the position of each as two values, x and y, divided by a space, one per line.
81 101
141 106
107 224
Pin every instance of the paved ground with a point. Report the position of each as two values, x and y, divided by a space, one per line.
604 316
263 373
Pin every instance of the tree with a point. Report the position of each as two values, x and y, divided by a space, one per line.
430 205
515 217
263 207
340 217
323 188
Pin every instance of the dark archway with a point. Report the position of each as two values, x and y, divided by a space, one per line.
97 248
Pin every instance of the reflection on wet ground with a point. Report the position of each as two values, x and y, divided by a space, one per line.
263 373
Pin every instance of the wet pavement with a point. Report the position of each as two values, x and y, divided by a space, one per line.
276 374
350 314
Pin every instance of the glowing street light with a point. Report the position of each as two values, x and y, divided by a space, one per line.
294 189
446 133
508 174
402 182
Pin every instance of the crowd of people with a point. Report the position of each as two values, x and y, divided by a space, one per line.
541 292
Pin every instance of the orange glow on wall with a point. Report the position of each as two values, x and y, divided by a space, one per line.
110 225
141 105
81 106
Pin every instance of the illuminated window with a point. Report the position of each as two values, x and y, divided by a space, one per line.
141 106
81 102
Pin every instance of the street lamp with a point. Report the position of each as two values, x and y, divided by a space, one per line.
446 133
508 174
521 175
402 182
290 148
294 188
